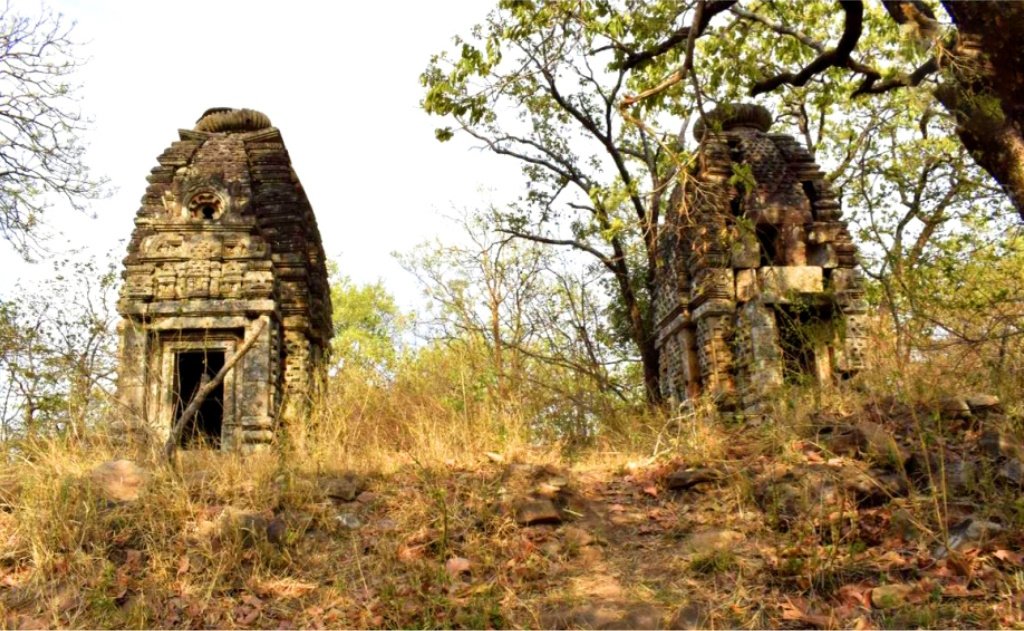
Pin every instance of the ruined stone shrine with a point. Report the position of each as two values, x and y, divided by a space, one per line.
225 248
757 283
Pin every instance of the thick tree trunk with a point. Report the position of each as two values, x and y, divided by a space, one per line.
984 89
641 332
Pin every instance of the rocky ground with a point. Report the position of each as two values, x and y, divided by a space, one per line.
889 516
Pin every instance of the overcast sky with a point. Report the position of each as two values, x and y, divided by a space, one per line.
341 82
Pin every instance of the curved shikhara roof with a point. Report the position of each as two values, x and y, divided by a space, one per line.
223 187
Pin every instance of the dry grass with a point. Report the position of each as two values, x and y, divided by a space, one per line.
180 556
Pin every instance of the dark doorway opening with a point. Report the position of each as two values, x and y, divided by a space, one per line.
768 237
193 369
804 331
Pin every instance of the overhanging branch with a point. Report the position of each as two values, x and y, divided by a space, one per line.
838 57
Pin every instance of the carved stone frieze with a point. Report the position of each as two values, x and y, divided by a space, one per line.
225 238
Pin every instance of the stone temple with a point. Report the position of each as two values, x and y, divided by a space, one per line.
757 284
225 248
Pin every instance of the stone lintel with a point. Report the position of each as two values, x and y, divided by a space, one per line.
824 231
201 307
200 322
681 321
236 224
781 284
715 307
669 317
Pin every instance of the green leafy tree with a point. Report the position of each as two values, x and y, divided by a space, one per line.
589 98
532 332
368 325
58 356
538 84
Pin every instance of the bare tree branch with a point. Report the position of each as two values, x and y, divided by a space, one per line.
171 446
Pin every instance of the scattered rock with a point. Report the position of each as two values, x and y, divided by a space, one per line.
576 536
880 447
708 541
874 487
530 512
982 403
252 526
814 490
890 596
867 439
954 408
366 497
118 480
969 531
1012 472
277 531
348 520
998 444
494 456
927 470
690 616
343 488
457 566
683 479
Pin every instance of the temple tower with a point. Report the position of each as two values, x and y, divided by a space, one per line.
757 283
225 247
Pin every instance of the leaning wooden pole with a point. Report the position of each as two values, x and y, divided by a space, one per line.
171 447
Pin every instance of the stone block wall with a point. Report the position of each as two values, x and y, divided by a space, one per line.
225 238
739 254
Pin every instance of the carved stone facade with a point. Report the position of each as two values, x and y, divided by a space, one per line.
757 283
225 240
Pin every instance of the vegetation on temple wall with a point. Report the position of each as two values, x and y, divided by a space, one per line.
594 100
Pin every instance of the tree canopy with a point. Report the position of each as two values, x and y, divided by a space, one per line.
900 103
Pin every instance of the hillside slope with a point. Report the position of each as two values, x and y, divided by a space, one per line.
800 519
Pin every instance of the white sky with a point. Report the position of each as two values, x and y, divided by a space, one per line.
341 82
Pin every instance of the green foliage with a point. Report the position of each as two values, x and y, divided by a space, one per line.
57 350
511 327
546 83
368 325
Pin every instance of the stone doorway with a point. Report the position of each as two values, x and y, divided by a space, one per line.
806 336
192 369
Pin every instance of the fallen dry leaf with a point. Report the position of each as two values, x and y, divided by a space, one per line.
651 490
856 594
246 615
455 566
1009 556
796 609
282 588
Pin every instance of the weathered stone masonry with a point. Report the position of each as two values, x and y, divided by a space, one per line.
757 283
225 237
